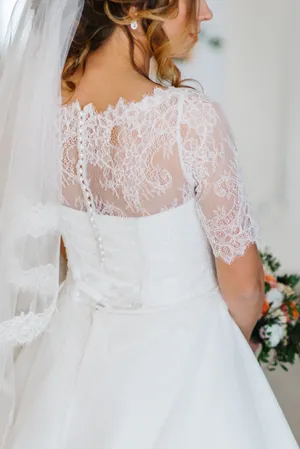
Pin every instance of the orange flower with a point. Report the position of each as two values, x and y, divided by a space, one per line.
270 280
294 311
266 306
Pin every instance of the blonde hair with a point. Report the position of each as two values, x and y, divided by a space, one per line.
100 19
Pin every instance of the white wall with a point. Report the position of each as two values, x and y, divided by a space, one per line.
263 99
254 78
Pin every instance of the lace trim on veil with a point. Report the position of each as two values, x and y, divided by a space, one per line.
25 328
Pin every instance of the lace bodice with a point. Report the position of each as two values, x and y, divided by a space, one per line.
167 165
143 158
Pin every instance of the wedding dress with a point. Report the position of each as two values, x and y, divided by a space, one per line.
141 351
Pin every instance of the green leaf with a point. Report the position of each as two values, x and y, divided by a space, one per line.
284 367
269 260
290 280
267 287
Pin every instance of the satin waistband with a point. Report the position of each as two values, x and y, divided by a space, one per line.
85 294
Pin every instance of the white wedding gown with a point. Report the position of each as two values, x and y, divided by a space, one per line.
141 352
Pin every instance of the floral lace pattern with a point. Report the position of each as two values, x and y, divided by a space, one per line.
41 279
25 328
210 161
35 285
150 156
129 152
140 159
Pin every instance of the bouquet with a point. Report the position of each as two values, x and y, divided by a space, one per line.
276 335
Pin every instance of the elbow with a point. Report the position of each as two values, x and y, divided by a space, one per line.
254 294
242 284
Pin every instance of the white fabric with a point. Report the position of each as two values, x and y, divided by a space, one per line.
142 352
148 156
140 158
161 366
30 151
31 64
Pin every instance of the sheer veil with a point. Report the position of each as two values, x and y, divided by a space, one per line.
39 37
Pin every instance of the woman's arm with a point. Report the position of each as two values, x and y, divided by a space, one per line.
63 262
63 251
242 286
210 157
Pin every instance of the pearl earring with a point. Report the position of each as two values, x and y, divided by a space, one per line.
134 25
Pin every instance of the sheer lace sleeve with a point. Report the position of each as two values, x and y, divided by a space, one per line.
210 161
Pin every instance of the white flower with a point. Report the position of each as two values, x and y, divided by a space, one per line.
286 289
275 334
275 297
280 315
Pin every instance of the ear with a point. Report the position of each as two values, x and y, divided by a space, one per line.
132 13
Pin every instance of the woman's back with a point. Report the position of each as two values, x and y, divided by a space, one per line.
129 351
145 157
131 155
135 357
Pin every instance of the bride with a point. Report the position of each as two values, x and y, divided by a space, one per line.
145 343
